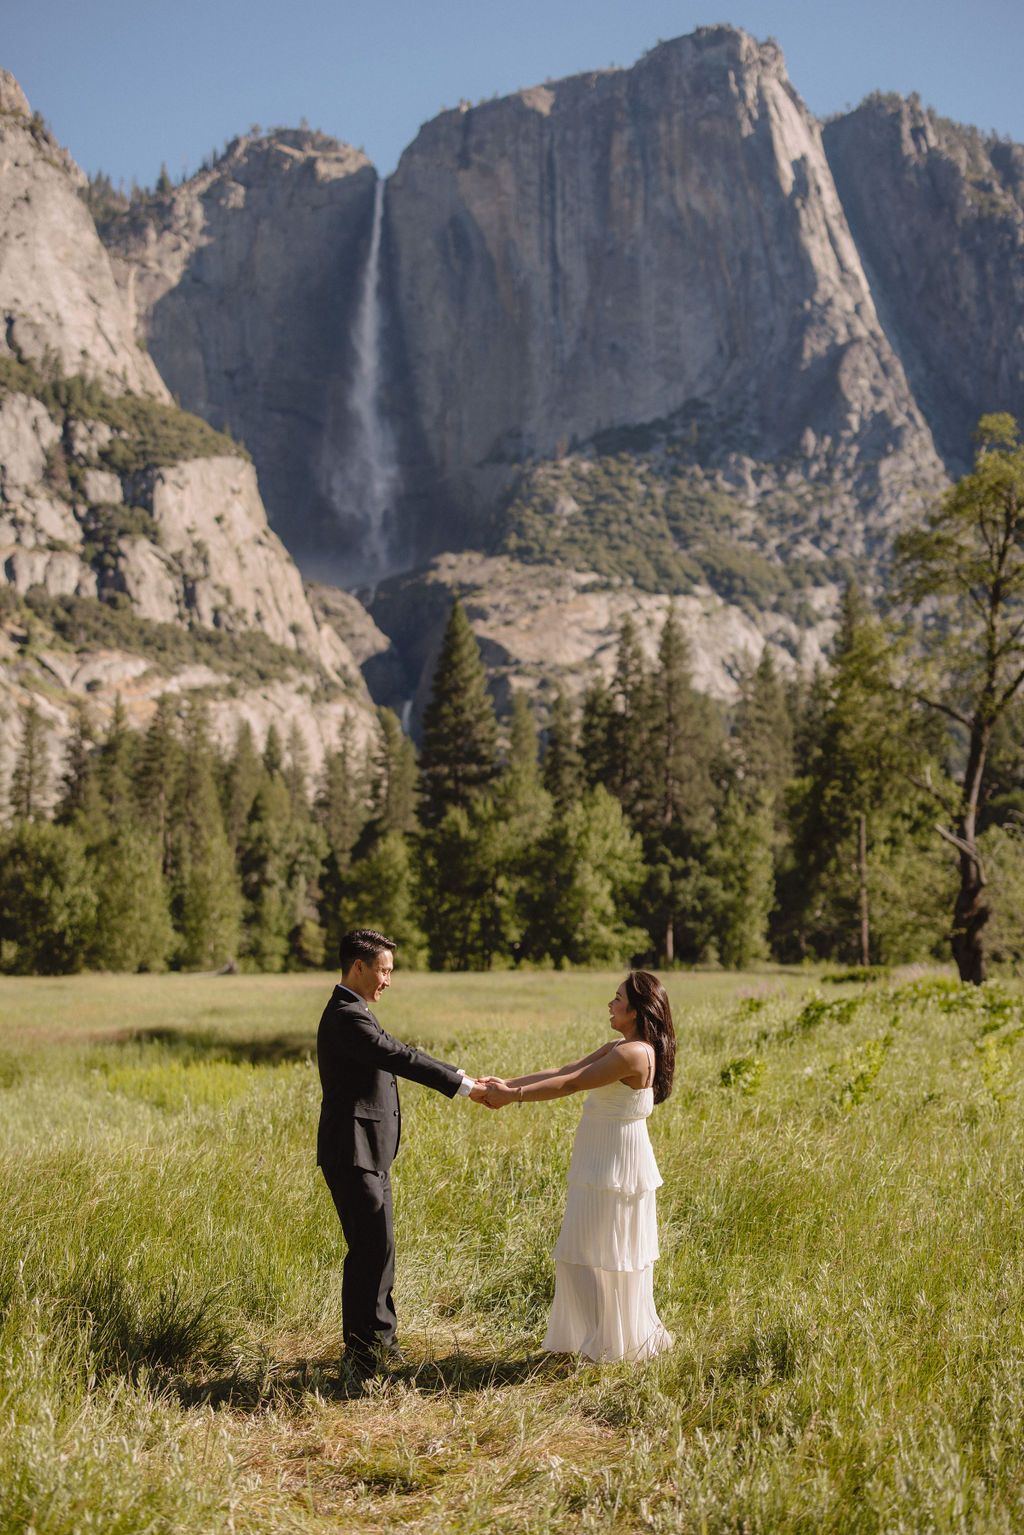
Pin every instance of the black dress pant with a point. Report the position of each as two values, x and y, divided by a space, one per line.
362 1199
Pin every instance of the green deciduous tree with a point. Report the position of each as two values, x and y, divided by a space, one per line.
379 891
47 899
474 871
586 872
963 569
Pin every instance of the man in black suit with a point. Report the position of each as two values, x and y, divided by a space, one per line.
360 1125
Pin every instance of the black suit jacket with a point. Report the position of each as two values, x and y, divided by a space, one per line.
360 1116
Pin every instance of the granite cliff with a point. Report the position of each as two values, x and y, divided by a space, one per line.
134 544
242 282
660 244
937 211
638 334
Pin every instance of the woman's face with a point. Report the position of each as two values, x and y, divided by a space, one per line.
621 1016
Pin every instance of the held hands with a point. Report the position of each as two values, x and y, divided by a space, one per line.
496 1092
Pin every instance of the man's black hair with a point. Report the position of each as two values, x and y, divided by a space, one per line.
363 943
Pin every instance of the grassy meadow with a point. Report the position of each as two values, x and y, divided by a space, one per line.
842 1232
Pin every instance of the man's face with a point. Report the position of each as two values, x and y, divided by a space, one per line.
373 978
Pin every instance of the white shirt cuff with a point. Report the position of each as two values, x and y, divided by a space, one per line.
466 1086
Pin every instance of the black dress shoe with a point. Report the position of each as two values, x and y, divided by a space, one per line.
390 1356
364 1361
358 1361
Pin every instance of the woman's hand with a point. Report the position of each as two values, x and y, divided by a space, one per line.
497 1092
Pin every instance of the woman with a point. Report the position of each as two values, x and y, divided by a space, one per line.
604 1256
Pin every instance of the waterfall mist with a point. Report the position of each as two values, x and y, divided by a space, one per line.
365 481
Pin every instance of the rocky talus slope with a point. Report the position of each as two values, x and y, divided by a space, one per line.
134 544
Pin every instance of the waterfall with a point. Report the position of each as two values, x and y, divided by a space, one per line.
366 483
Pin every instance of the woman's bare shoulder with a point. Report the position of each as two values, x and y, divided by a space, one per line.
633 1049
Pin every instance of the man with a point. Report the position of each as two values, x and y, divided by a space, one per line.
360 1125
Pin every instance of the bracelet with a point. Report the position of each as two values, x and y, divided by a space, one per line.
520 1098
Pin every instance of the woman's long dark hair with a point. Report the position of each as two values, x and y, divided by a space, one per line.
649 1000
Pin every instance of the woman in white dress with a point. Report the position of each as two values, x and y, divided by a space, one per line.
604 1256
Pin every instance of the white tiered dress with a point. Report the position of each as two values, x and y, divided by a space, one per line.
604 1256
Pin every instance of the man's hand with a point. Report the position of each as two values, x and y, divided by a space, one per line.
489 1089
499 1093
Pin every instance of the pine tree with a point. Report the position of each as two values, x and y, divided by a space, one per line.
585 872
627 745
158 772
207 899
597 731
115 765
133 921
857 811
460 736
296 770
965 565
281 857
563 764
762 744
30 780
273 753
242 780
677 794
683 736
741 862
341 803
522 736
79 801
379 892
395 778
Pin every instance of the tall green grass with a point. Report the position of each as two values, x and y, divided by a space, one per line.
842 1266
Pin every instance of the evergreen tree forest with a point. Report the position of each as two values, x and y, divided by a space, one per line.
869 815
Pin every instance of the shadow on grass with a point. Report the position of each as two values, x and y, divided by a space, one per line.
289 1382
197 1045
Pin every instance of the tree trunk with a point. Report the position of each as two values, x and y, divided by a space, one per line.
971 910
862 874
670 942
970 914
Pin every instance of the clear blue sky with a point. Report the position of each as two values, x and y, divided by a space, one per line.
128 84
